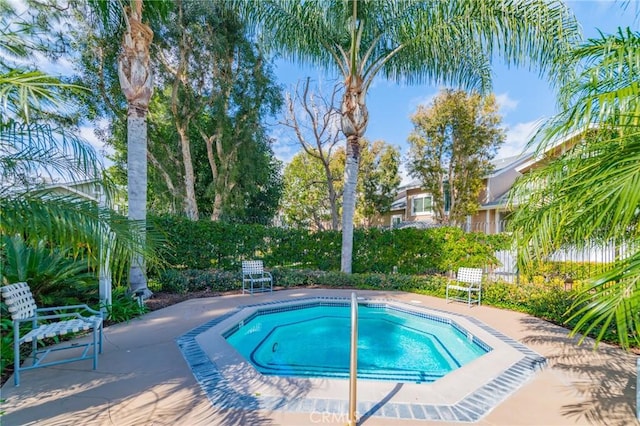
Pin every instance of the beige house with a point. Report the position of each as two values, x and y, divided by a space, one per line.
491 217
413 205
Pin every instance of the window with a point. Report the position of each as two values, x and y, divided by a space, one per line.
396 219
422 205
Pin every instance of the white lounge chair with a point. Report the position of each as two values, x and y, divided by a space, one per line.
253 273
467 283
49 322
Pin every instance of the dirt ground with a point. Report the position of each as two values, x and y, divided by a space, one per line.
161 300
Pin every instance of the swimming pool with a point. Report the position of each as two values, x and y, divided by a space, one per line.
312 340
466 394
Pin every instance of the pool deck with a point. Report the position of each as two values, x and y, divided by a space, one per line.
143 378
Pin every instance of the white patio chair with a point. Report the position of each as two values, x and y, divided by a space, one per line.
468 283
253 273
49 322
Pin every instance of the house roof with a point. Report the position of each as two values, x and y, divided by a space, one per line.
399 204
560 143
71 187
508 163
500 201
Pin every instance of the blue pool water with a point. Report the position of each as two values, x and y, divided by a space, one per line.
392 344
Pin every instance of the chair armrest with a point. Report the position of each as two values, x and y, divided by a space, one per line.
66 308
268 274
53 316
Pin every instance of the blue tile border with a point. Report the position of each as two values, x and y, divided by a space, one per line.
471 408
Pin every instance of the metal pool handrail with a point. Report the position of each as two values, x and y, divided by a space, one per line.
353 366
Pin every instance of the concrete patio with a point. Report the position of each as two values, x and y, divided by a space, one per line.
143 379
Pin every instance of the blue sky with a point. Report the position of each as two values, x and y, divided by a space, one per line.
524 97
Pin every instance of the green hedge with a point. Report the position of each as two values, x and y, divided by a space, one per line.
205 245
185 281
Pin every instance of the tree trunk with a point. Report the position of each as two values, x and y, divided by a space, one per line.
182 116
348 209
216 208
354 123
333 200
137 188
190 204
136 81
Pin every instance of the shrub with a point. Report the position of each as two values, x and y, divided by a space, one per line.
173 281
191 280
54 275
206 245
123 307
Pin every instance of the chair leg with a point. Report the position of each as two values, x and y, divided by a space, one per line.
16 355
101 329
95 348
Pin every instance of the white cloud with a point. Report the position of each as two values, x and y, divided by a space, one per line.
505 103
284 147
425 100
517 138
285 152
404 175
88 133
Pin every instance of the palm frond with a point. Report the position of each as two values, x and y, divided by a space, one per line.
35 151
23 91
417 42
591 191
15 35
605 90
79 224
613 299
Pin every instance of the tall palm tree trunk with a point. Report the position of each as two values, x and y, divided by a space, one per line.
136 81
137 187
349 201
355 118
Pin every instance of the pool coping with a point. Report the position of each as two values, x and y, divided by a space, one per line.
474 405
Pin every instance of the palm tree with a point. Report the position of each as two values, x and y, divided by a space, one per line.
136 81
32 149
591 193
409 41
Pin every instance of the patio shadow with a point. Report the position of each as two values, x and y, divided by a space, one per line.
603 377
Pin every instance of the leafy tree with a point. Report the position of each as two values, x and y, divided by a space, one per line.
215 90
305 200
379 179
590 193
221 89
408 42
314 120
452 145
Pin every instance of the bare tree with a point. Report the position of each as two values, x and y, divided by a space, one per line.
315 121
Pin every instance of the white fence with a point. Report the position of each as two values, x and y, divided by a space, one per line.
589 259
